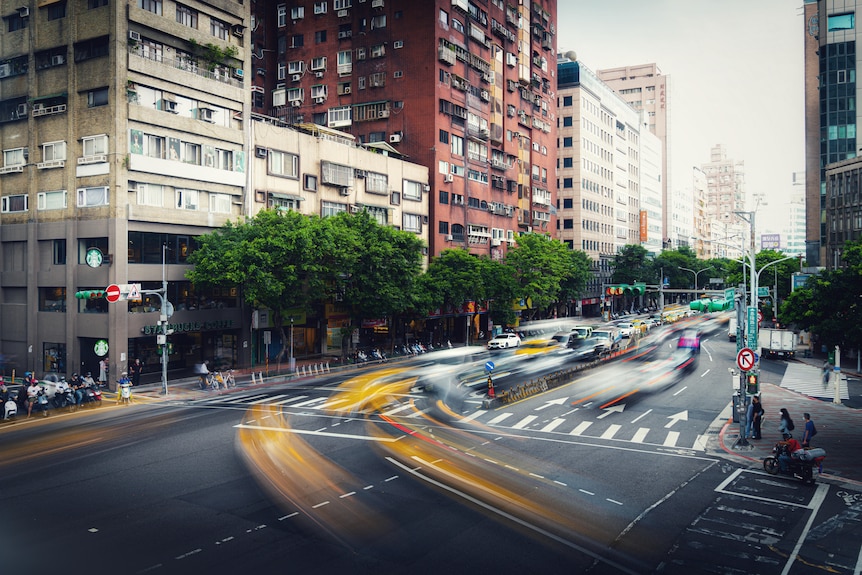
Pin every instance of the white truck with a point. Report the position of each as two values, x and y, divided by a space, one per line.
731 329
776 342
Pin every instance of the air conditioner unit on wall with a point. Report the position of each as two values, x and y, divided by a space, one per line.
136 36
296 77
448 178
260 152
23 11
449 238
345 191
394 138
295 103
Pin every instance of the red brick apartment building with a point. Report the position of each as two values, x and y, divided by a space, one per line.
465 87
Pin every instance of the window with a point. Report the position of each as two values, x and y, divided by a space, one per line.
376 183
443 17
283 164
378 51
88 197
152 50
336 174
95 145
297 12
295 95
18 203
97 97
296 67
841 22
310 182
297 41
412 190
281 15
92 48
398 44
341 4
16 22
318 91
331 209
52 299
52 151
568 162
154 6
318 63
457 145
444 137
154 146
279 97
457 25
91 4
58 252
56 11
14 157
191 153
320 37
220 203
338 117
281 71
378 21
320 7
345 62
187 16
149 194
360 53
224 159
411 222
219 29
187 199
51 200
567 142
567 100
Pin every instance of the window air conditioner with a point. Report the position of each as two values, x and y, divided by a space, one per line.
345 191
260 152
296 77
342 14
346 90
238 73
136 36
449 237
394 138
295 103
170 106
448 178
23 11
318 74
319 100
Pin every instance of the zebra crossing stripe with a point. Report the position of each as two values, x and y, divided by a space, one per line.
640 435
246 399
525 422
500 418
671 439
289 399
582 427
310 402
266 399
397 409
553 425
610 431
474 415
700 442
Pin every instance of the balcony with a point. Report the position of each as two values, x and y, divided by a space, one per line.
187 65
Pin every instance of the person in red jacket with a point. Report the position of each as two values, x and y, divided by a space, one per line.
785 458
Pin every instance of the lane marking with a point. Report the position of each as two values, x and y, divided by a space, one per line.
640 434
635 420
321 433
610 432
553 425
582 427
266 399
398 409
474 415
701 442
500 418
524 422
680 391
288 400
671 439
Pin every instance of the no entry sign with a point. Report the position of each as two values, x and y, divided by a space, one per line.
745 359
112 293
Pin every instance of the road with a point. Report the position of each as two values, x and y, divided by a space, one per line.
371 473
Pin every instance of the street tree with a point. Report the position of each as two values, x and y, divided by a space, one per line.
539 264
574 283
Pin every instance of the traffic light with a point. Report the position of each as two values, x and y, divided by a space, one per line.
90 294
752 384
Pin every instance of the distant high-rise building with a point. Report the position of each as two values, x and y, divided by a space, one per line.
725 194
466 89
647 89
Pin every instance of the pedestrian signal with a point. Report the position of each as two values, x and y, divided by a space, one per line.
752 384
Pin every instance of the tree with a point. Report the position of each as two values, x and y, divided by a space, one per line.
539 264
279 260
630 265
575 282
830 304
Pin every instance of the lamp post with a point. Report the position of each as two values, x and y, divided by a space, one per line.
292 363
696 275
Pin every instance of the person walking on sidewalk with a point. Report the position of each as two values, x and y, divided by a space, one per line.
810 430
826 369
103 372
785 426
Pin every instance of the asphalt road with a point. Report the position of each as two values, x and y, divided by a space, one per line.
617 472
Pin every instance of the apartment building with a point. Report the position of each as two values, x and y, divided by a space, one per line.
725 194
464 88
122 131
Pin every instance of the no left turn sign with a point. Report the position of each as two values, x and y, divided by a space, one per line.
745 359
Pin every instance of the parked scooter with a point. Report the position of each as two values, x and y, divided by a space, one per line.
42 404
801 464
10 407
92 395
64 397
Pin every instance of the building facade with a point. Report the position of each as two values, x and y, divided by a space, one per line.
648 90
843 208
466 89
725 194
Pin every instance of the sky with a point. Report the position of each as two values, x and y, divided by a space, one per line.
736 77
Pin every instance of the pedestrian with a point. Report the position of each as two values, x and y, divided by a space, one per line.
810 430
785 426
826 369
757 414
32 395
103 372
135 370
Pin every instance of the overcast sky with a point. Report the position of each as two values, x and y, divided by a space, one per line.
736 75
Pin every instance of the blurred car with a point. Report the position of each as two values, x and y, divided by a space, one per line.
565 338
504 340
610 333
583 331
538 346
626 328
584 349
689 339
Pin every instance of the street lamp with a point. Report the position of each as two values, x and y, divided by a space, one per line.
696 274
292 363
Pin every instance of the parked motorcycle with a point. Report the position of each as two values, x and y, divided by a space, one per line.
92 395
64 397
10 407
801 465
42 404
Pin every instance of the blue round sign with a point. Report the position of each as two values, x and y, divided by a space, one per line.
489 366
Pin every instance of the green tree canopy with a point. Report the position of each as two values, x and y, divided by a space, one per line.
539 264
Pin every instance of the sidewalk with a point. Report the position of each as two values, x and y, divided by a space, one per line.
838 432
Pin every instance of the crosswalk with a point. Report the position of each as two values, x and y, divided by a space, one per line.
808 380
591 429
554 425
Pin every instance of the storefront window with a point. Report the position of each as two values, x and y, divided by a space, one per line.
146 248
54 358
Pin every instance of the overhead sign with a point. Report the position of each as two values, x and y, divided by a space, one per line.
113 293
762 292
745 359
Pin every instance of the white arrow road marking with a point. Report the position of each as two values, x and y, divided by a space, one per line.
560 401
682 415
612 409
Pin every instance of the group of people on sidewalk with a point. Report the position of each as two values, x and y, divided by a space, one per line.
756 414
